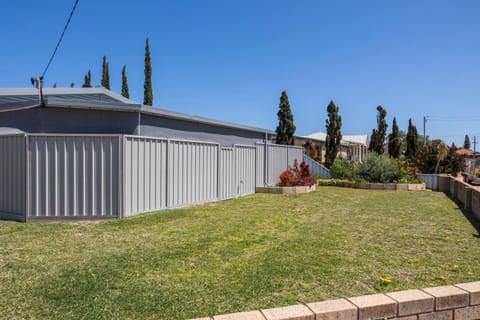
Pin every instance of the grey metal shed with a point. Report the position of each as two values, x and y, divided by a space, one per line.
86 155
100 111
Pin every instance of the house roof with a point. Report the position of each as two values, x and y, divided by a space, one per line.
356 138
101 99
464 152
346 139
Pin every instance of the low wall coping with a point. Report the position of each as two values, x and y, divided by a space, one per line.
461 301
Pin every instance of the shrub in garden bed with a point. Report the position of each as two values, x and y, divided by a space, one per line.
297 176
342 169
338 183
379 168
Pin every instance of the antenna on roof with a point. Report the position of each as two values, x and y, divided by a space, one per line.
38 83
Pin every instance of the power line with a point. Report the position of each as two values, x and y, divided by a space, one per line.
61 38
452 119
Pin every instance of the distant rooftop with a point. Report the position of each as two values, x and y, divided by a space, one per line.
346 139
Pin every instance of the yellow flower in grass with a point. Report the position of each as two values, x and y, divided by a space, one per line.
431 284
455 267
386 280
443 278
396 289
470 273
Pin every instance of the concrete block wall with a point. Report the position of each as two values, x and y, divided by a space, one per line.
456 302
466 195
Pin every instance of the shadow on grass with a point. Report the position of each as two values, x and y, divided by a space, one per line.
470 217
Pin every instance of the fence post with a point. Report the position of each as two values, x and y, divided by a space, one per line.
219 169
122 155
167 170
265 162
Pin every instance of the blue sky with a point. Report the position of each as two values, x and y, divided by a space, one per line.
231 59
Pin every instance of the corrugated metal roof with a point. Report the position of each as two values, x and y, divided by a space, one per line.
102 99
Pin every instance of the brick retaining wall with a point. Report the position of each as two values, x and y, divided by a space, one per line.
457 302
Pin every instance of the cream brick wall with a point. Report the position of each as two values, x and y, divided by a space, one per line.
457 302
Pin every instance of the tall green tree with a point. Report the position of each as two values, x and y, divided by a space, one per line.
87 80
125 92
147 85
334 135
105 74
466 143
394 141
377 140
412 141
285 129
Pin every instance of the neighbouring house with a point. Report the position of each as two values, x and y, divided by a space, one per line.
352 147
464 152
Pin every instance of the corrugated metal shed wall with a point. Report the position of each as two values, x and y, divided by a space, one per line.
87 176
13 177
277 162
73 176
227 174
245 169
192 172
295 153
145 174
279 158
260 164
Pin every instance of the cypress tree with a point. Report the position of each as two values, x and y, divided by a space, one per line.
105 74
466 143
125 92
412 144
87 80
377 140
334 135
394 142
285 128
147 86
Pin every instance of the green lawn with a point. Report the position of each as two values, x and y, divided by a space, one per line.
255 252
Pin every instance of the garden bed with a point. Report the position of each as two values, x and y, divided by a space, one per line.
285 190
373 186
393 186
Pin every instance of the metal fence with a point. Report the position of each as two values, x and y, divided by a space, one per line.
112 176
316 168
430 180
273 159
73 176
13 177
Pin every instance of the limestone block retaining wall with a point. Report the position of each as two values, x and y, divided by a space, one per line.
466 195
459 302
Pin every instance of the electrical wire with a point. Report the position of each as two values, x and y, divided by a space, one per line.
61 38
